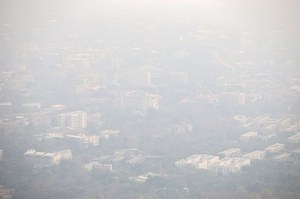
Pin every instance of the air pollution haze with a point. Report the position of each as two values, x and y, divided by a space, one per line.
143 99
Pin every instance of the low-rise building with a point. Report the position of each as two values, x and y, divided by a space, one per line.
106 134
103 167
255 155
197 161
228 165
84 139
180 128
267 137
138 100
32 107
145 177
249 136
233 152
6 193
41 159
281 157
274 148
295 138
136 160
45 159
65 154
1 154
98 166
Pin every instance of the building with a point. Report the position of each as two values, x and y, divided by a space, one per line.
73 120
228 165
65 154
128 152
232 99
1 155
197 161
41 159
32 107
147 176
139 78
6 193
178 78
6 107
249 136
106 134
44 159
123 158
180 128
255 155
88 166
274 148
84 139
281 157
284 122
295 138
138 100
233 152
267 137
136 160
102 167
98 166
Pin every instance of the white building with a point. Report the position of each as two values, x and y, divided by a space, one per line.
1 155
65 155
84 139
44 159
98 166
180 128
249 136
106 134
6 193
231 152
295 138
73 120
41 159
232 99
139 100
103 167
283 156
145 177
32 106
228 165
274 148
255 155
197 161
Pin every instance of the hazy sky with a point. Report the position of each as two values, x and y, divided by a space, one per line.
258 16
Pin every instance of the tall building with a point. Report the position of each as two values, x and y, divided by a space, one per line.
73 120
